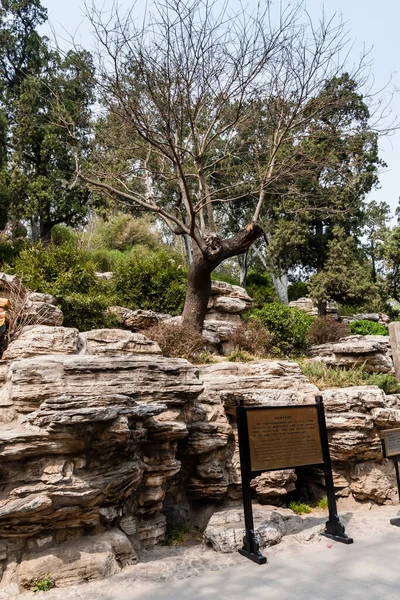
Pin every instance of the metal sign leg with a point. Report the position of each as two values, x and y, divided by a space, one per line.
396 520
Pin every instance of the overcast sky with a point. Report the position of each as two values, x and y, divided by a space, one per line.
371 23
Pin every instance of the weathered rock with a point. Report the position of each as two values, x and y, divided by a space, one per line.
42 339
105 275
227 304
79 561
370 351
374 481
225 530
135 320
310 308
394 338
42 313
43 298
271 486
117 342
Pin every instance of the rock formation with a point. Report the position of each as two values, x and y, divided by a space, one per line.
372 352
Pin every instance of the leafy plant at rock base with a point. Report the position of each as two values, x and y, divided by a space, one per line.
175 535
86 311
240 356
261 288
325 330
42 585
178 341
323 503
300 508
288 327
326 377
364 327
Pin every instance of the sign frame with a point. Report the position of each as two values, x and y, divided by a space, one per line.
334 529
394 457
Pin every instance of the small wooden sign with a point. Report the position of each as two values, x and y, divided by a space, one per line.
391 441
284 437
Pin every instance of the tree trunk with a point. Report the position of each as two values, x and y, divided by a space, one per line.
215 251
281 287
198 290
321 308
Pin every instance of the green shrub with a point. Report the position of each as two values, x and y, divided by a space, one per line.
9 251
122 232
323 503
296 290
151 280
288 327
61 235
362 327
57 270
87 312
105 260
260 287
325 330
386 381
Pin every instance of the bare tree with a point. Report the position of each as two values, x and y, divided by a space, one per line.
181 92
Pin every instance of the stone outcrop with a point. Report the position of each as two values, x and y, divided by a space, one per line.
310 308
226 305
372 352
88 441
135 320
225 530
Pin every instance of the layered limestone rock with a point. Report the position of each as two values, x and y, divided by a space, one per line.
310 308
211 421
88 441
226 305
373 352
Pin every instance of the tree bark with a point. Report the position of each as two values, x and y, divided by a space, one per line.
203 264
281 287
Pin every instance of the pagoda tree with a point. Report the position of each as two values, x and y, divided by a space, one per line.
202 108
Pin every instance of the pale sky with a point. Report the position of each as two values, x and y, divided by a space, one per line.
371 24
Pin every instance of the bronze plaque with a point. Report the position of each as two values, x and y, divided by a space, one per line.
284 437
391 439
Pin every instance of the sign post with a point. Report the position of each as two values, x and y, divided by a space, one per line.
391 449
281 437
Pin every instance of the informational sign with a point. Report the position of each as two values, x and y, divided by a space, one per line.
284 437
391 440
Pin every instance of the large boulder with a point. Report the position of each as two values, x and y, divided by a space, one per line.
43 339
135 320
117 342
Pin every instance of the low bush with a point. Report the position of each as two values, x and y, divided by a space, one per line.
253 337
300 508
326 377
260 287
87 312
178 341
240 356
363 327
288 327
151 280
325 330
296 290
57 270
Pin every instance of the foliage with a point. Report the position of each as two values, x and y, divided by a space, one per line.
252 337
300 508
57 270
345 277
325 330
288 327
151 280
42 585
364 327
122 232
178 341
323 503
240 356
61 235
175 535
87 311
297 289
260 287
9 251
326 377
